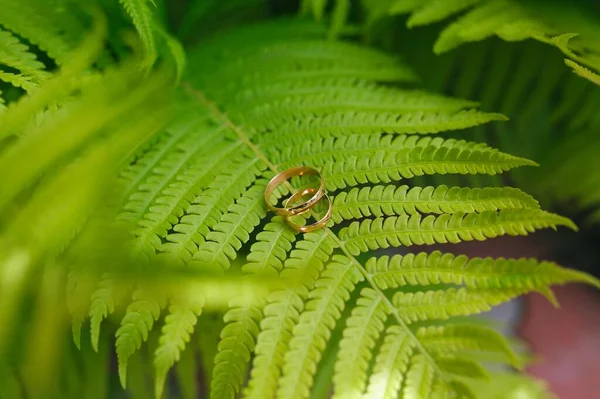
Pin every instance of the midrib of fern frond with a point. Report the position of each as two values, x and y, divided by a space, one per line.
203 99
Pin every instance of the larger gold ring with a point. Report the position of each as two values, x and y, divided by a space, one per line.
319 223
286 175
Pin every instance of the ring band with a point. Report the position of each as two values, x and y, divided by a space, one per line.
286 175
319 223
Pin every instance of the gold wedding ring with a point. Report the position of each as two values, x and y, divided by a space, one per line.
310 227
289 209
286 175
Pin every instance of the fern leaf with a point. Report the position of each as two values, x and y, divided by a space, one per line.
141 15
157 168
208 207
439 268
361 99
339 16
278 95
365 122
452 339
44 25
507 20
419 378
238 338
391 365
268 254
414 230
282 312
168 212
103 302
393 200
391 166
237 342
330 92
179 325
310 336
330 150
18 80
443 304
16 55
233 230
79 290
356 347
437 10
176 50
461 367
584 72
135 326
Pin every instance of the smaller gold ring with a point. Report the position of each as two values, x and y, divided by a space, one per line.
319 223
285 175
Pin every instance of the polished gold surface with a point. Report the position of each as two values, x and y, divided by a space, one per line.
314 226
280 178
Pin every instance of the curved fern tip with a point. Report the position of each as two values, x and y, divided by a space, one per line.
159 386
122 366
76 332
498 117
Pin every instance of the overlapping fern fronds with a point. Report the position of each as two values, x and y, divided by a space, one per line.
511 20
545 108
347 319
38 30
260 99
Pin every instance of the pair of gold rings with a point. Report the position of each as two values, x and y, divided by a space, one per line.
291 207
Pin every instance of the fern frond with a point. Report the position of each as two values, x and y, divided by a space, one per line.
420 378
179 325
462 367
328 150
358 97
18 80
103 302
452 339
268 254
584 72
233 230
365 122
364 326
208 207
16 55
509 20
408 230
390 200
54 31
326 302
139 319
384 167
264 98
141 15
444 268
443 304
282 312
433 11
391 365
238 337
